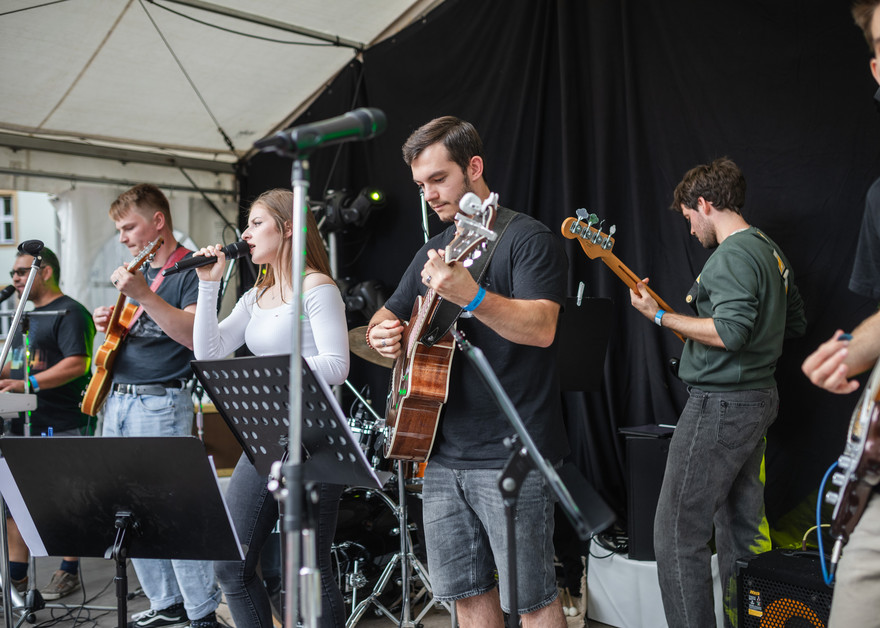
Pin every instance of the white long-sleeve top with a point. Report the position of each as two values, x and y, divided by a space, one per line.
268 331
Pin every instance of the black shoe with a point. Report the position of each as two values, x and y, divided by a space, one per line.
172 617
208 621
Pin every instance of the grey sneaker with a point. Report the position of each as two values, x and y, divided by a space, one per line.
61 584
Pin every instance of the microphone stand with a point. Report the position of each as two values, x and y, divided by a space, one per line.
5 579
292 470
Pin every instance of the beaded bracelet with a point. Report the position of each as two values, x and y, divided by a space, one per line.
369 329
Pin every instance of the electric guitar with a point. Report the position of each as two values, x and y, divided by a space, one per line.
858 467
595 244
117 327
420 376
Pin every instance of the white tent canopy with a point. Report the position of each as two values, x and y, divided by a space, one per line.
121 91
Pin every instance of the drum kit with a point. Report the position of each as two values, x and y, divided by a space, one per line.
375 558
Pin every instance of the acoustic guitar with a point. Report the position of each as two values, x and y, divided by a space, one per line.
597 244
858 466
420 376
117 327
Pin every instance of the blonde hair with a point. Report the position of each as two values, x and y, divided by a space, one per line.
279 204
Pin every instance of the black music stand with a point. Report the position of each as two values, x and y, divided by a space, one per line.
252 395
583 331
118 498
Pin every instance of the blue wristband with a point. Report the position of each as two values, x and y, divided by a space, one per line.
34 385
470 307
658 317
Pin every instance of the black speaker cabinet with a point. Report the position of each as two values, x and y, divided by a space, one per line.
646 449
782 589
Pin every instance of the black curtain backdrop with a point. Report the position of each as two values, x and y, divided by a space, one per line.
604 105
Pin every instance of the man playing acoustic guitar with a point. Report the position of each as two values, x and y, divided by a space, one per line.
511 316
856 601
148 395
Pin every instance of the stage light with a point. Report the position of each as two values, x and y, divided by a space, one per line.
342 210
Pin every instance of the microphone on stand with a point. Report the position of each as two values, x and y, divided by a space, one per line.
31 247
7 292
232 251
361 124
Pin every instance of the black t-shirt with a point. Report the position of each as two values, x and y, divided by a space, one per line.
148 355
53 338
528 263
865 278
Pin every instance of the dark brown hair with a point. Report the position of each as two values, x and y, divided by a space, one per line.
459 137
863 13
721 183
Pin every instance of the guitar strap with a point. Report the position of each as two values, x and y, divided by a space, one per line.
178 254
446 312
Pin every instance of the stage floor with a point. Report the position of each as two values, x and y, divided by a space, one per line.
99 590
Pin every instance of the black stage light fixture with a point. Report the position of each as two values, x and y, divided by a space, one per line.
342 210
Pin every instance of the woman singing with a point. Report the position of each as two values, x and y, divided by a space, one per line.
262 319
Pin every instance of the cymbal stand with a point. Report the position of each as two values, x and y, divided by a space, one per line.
408 562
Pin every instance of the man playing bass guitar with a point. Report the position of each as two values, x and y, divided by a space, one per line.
511 316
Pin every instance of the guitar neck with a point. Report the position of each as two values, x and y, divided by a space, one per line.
113 323
631 279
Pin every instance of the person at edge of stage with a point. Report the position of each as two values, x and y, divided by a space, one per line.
263 320
855 601
511 316
746 302
60 355
149 394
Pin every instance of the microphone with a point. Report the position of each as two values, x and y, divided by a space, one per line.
31 247
361 124
232 251
7 292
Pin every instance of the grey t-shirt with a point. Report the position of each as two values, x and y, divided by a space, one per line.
147 354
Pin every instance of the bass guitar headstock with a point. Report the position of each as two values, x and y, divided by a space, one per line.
593 240
474 222
146 254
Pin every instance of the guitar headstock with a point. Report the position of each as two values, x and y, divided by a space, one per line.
474 222
593 240
146 254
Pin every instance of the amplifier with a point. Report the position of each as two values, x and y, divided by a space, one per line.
782 589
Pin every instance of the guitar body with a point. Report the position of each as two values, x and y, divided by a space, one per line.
419 388
859 465
99 385
420 377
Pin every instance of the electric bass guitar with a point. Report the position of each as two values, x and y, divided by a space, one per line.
420 376
858 467
117 327
596 243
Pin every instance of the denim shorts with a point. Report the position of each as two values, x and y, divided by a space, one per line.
466 536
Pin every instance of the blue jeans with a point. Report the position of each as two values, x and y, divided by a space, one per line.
254 513
466 536
165 582
713 475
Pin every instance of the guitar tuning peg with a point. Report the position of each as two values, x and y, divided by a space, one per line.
592 219
468 262
597 236
582 214
611 231
476 254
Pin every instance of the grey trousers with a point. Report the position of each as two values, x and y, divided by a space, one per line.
713 477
